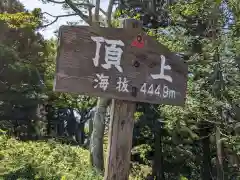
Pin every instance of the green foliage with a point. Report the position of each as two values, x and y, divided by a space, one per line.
183 178
142 150
19 20
43 160
139 171
204 33
23 54
195 31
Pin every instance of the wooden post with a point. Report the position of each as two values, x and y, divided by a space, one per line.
120 131
120 140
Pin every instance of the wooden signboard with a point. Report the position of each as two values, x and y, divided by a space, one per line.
120 64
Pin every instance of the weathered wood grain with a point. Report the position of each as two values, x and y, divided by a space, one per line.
120 140
75 71
120 131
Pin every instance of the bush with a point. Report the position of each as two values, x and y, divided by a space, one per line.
43 160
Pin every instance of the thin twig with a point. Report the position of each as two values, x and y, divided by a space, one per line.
76 4
56 18
57 2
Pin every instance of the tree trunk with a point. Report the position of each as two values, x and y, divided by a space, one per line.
158 172
120 140
80 134
49 117
206 168
90 127
219 157
96 143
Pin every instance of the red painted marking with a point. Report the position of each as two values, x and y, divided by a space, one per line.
138 42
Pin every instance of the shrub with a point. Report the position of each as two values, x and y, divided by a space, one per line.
43 160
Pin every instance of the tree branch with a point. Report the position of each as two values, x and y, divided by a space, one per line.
57 2
105 14
90 15
97 8
56 18
76 4
109 12
91 6
84 4
79 12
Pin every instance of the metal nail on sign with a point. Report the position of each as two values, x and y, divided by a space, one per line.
115 63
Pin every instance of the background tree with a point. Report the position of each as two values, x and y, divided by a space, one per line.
23 53
188 29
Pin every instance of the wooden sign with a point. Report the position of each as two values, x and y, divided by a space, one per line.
120 64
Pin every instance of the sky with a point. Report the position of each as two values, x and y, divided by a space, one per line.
54 9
